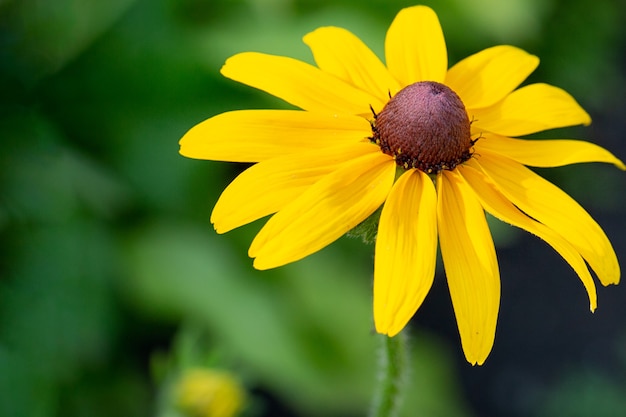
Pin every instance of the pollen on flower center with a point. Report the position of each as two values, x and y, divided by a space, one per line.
424 126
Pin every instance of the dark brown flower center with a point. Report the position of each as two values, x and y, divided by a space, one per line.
424 126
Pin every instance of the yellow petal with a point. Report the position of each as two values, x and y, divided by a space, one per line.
471 266
257 135
548 204
488 76
340 53
496 204
326 211
531 109
406 251
546 153
298 83
270 185
415 49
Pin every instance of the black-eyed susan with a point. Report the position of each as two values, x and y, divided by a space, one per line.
434 146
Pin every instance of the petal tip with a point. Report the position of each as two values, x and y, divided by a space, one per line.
385 325
219 229
226 65
380 331
613 281
240 60
260 265
393 331
378 323
317 31
421 8
476 360
218 225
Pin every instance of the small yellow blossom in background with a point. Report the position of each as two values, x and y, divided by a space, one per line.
435 146
209 393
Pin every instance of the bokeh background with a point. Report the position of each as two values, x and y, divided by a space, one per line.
113 282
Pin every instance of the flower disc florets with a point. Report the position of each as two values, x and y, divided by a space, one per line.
424 126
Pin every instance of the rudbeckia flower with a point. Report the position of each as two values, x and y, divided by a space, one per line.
436 147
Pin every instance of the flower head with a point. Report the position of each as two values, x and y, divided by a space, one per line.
209 393
436 147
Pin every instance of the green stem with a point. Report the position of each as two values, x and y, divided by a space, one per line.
393 368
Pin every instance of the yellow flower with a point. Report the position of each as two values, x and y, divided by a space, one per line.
209 393
447 135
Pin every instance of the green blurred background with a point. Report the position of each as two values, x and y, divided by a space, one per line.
113 282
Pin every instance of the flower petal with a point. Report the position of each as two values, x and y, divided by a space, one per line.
406 251
500 207
531 109
342 54
415 49
257 135
488 76
546 153
271 185
298 83
548 204
471 266
326 211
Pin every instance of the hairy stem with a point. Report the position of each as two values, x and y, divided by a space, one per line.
393 365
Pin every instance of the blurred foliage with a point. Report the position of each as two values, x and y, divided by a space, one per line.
112 281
